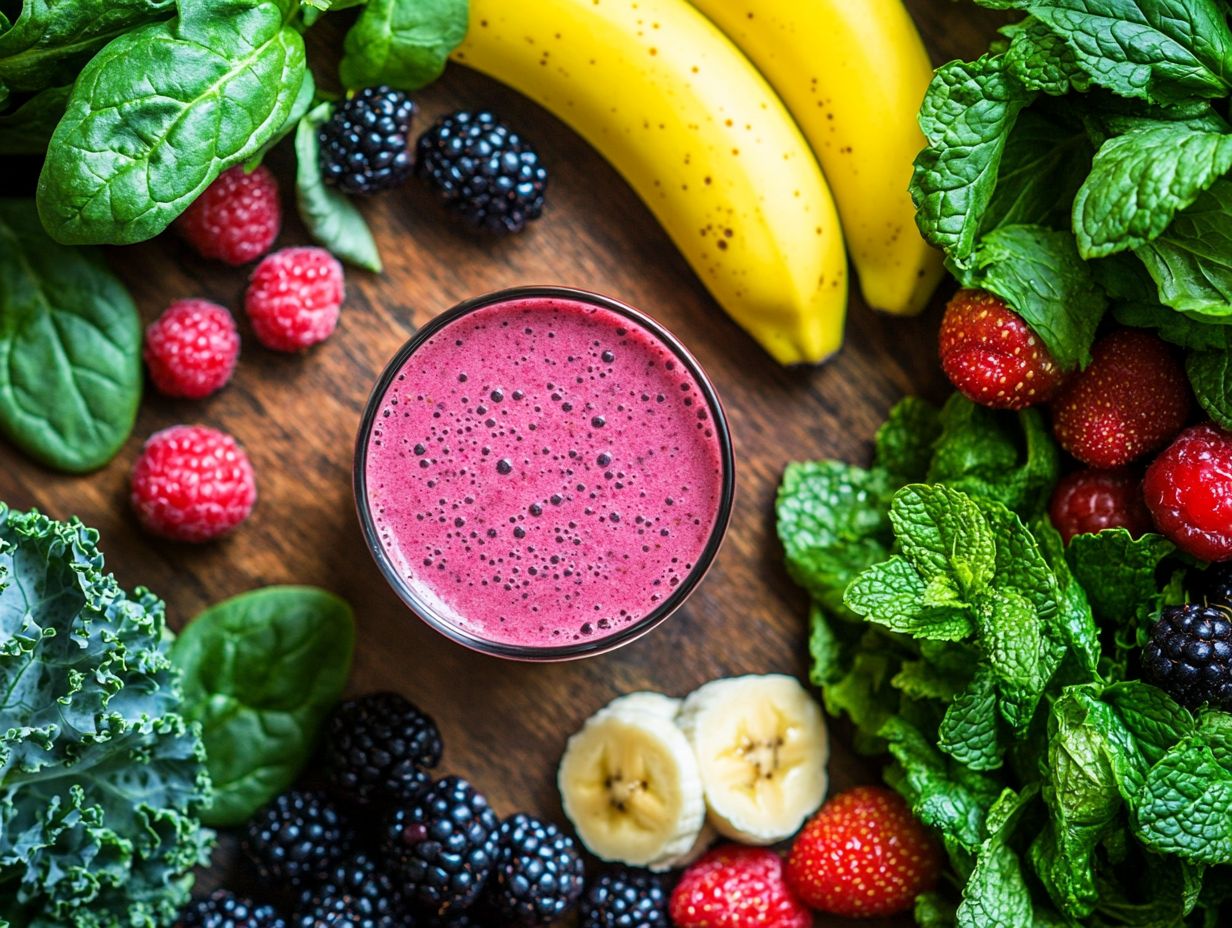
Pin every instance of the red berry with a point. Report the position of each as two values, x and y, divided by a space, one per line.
236 218
191 349
737 887
863 855
192 483
1188 489
1093 500
1129 401
992 356
293 298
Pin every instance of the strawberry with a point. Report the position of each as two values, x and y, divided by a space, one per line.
1093 500
737 887
1129 401
864 855
992 356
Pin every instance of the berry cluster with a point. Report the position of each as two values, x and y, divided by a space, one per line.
383 845
1130 401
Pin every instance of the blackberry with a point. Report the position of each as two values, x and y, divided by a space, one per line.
443 846
298 838
538 874
379 747
625 899
1189 655
223 909
364 145
1215 584
483 171
355 894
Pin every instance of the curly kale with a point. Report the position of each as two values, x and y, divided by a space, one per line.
101 778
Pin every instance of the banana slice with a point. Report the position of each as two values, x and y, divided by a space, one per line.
761 747
660 704
706 837
629 784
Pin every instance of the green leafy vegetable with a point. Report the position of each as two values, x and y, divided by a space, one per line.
130 153
1186 806
966 118
50 40
1191 261
101 778
27 129
403 43
70 348
331 218
1039 273
1210 373
261 672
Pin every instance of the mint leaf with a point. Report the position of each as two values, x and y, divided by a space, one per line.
969 729
905 440
1005 457
892 594
1185 807
996 895
1215 727
1042 166
1140 180
922 679
1075 621
1197 334
942 794
1191 262
833 523
1155 50
863 692
402 43
1152 717
932 910
942 532
966 117
1039 273
1041 60
1020 567
1210 374
1018 653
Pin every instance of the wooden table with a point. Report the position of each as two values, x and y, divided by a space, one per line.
504 723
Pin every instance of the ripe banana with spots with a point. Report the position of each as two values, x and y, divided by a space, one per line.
689 122
853 74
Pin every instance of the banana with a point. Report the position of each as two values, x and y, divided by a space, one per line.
666 707
761 748
694 128
853 74
629 783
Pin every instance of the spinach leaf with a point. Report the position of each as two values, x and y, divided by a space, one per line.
1191 262
261 673
330 217
27 129
1156 50
403 43
1039 273
1195 334
966 117
158 114
70 347
1043 165
51 39
1139 181
1210 373
303 102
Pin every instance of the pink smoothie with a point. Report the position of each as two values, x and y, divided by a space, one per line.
544 471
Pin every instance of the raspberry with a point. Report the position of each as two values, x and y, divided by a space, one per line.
864 855
1130 400
236 218
192 483
1188 489
1093 500
191 349
992 356
733 886
293 298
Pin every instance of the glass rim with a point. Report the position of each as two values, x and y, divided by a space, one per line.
579 649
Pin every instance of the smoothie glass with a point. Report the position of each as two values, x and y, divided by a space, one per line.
543 473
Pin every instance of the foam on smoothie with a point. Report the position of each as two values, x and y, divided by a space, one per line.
543 471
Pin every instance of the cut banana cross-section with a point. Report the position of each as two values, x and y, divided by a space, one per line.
761 748
629 783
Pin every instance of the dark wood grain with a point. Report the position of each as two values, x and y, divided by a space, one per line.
504 723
